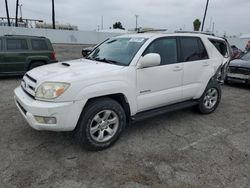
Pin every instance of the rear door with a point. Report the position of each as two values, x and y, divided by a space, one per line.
196 65
14 58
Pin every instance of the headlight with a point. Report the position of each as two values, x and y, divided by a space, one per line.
51 90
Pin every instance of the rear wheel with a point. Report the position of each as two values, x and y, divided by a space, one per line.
36 64
101 124
210 99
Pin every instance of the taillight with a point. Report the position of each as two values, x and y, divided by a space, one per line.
54 56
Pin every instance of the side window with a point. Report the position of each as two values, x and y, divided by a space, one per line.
38 44
166 48
221 46
203 51
1 45
17 44
190 49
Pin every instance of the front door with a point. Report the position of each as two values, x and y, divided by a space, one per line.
160 85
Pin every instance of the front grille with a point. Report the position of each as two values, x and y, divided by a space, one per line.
32 79
239 70
28 85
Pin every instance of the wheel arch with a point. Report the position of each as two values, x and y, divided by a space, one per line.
31 60
118 97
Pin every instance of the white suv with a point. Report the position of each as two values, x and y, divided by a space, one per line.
130 77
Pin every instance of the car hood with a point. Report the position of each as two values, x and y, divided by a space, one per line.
70 71
240 63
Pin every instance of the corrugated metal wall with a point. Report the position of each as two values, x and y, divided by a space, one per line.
61 36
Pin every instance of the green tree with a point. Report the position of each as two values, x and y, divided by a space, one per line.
197 25
118 25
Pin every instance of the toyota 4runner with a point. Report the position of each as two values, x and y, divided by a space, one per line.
129 77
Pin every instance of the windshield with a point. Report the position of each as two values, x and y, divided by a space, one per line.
246 56
118 51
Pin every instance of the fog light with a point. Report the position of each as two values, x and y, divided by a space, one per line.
45 120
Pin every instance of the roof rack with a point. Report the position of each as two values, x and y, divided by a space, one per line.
151 30
196 32
10 35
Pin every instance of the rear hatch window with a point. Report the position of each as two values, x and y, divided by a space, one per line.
220 46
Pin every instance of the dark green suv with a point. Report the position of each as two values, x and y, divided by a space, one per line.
18 53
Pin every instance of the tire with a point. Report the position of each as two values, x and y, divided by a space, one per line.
210 99
100 125
36 64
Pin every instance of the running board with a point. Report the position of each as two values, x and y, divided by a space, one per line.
162 110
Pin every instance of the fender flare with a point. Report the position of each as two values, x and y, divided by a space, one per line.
109 88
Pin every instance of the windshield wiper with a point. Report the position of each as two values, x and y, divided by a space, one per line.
107 61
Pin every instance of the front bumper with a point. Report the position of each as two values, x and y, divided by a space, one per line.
239 78
66 113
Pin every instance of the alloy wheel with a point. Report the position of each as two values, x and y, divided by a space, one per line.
104 125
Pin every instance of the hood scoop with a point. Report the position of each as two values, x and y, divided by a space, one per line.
66 64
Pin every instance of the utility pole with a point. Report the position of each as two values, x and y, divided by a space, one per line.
17 4
53 15
102 23
7 12
205 14
21 14
136 22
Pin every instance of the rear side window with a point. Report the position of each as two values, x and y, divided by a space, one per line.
166 48
220 45
38 44
17 44
203 51
192 49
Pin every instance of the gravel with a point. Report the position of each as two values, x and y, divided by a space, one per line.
180 149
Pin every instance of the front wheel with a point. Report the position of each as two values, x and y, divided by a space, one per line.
101 124
210 99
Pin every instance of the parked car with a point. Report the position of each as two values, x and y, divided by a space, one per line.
239 70
236 52
19 54
126 78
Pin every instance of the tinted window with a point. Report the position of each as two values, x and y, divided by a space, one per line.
190 49
38 44
203 51
220 45
166 48
17 44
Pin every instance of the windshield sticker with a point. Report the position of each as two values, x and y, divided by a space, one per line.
136 40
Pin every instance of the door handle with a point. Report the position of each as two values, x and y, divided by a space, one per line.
177 68
205 64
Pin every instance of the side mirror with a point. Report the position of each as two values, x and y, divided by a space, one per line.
86 51
150 60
